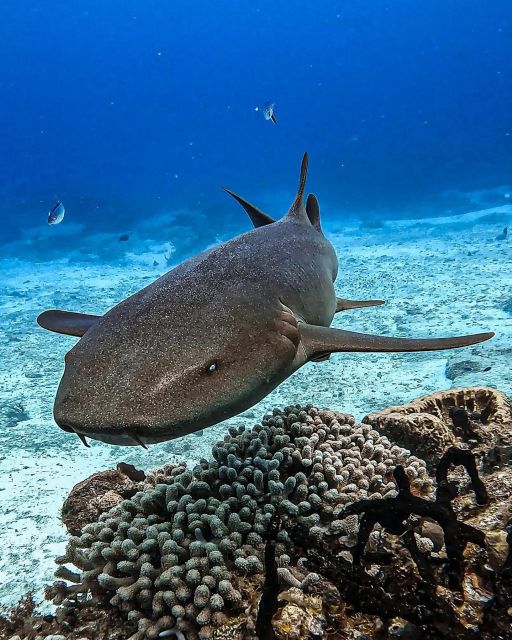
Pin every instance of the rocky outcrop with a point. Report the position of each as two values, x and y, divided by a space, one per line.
99 493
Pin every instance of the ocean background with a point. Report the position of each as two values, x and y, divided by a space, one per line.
135 113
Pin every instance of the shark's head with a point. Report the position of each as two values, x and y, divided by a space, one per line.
158 380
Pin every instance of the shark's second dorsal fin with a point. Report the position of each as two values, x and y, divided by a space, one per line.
313 211
258 218
297 210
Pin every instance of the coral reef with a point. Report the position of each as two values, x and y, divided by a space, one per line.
427 426
393 515
267 540
181 554
92 622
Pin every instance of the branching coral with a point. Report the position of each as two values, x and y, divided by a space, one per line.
177 556
393 514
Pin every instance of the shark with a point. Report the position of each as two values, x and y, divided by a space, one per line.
214 335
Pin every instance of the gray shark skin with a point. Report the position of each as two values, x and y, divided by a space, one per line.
213 336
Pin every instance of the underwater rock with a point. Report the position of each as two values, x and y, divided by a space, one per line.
426 427
98 493
12 414
456 369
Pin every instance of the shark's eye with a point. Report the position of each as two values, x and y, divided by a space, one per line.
212 367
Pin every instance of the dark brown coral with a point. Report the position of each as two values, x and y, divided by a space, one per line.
393 515
99 493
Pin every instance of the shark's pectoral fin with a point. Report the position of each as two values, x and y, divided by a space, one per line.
342 304
258 218
319 341
67 322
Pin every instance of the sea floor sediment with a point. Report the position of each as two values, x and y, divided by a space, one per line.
438 277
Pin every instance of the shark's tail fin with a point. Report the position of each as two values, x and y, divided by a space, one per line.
297 210
311 212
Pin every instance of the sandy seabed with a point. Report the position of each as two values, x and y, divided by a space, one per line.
439 276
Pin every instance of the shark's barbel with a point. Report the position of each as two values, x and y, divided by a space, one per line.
213 336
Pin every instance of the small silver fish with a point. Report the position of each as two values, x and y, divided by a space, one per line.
268 112
56 214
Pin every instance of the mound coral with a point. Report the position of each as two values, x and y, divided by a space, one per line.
184 553
97 494
473 416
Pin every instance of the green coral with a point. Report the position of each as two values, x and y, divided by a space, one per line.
174 558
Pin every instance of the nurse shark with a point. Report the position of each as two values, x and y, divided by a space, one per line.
214 335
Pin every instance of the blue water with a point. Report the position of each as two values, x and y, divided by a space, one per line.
129 109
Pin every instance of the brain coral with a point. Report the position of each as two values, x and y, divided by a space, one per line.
186 552
427 423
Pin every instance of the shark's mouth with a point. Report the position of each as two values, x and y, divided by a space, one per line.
121 439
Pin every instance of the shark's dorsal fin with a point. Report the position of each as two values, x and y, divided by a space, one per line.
297 210
258 218
313 211
309 213
66 322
